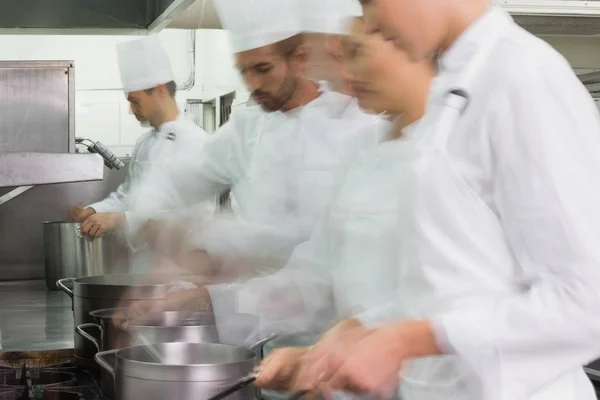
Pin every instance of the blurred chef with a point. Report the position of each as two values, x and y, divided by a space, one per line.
149 85
325 24
498 257
349 263
281 157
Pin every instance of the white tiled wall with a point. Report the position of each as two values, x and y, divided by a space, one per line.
102 112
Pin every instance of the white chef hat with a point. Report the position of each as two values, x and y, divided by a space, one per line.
328 16
144 64
257 23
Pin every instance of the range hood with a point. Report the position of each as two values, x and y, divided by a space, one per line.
540 17
89 16
556 17
200 15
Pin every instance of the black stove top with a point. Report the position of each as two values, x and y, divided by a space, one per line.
54 382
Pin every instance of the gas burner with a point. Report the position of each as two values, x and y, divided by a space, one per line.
12 392
7 375
71 393
59 381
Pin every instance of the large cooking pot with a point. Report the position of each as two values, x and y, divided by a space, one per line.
101 292
68 253
184 371
163 327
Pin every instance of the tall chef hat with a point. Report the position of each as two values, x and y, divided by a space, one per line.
257 23
144 64
328 16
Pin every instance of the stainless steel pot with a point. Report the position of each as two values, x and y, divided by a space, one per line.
68 253
164 327
100 292
187 371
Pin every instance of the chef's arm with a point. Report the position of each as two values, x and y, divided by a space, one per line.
297 298
115 201
547 195
196 177
245 248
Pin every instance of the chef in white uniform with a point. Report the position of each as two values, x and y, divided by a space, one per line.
281 157
148 82
498 257
349 263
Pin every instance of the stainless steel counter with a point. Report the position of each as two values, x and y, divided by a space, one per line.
32 318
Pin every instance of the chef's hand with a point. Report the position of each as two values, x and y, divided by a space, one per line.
278 370
166 237
98 224
199 263
323 360
373 365
78 213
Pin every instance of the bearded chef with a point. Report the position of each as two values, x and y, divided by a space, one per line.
281 157
498 257
150 88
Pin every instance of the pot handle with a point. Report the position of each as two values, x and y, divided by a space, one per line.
99 357
238 385
80 329
261 342
61 285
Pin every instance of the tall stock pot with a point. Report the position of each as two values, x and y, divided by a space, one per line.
68 253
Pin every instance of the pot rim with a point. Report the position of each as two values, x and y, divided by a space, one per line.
203 318
253 354
116 286
207 372
90 280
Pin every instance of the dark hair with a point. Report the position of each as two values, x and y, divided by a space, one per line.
288 46
171 88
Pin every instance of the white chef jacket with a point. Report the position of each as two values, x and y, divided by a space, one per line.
511 283
347 265
281 168
514 292
154 151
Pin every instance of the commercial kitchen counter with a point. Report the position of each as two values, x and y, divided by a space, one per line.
31 318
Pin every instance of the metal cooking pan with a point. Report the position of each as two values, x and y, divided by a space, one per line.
163 327
185 371
106 291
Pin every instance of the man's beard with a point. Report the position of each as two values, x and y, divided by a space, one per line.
284 94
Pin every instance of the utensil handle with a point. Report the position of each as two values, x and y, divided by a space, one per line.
80 330
263 341
99 357
239 385
61 285
149 346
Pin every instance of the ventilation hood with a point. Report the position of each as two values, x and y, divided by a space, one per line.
200 15
88 16
541 17
556 17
